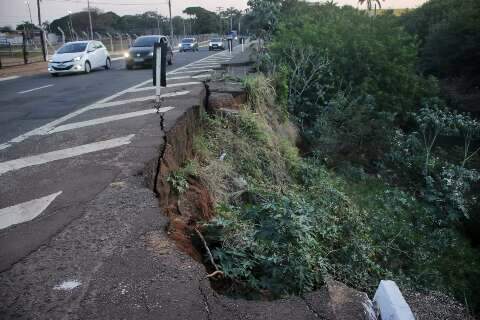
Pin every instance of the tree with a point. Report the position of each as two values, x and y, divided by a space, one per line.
264 16
204 22
6 29
369 3
26 25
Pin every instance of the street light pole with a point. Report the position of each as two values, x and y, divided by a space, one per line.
42 35
29 11
90 19
171 21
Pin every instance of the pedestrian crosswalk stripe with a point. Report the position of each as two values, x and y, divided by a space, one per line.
63 154
140 99
94 122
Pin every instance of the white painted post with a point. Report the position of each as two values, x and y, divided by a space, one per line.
158 65
389 301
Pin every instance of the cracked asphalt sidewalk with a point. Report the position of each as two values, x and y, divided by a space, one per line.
116 261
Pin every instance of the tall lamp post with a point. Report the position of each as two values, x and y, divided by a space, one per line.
42 34
90 20
171 21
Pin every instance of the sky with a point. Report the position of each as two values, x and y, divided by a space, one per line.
13 12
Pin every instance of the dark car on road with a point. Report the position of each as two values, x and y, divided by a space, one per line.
188 44
141 52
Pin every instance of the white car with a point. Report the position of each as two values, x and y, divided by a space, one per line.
79 56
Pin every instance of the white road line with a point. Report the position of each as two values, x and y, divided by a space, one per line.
204 66
173 85
118 58
4 146
25 211
120 102
94 122
189 77
193 71
63 154
9 78
35 89
49 126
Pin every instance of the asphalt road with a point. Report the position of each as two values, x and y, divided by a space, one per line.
22 111
61 141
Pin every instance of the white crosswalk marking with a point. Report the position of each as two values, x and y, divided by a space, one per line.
147 98
94 122
192 71
63 154
25 211
173 85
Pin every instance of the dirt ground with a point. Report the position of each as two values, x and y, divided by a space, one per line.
24 70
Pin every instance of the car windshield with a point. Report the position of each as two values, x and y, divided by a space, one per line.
216 40
188 40
145 42
72 48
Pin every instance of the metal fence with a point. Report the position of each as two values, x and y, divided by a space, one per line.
20 48
25 47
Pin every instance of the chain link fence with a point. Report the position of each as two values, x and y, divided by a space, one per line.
23 47
20 47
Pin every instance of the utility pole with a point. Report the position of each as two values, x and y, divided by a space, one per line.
220 9
90 19
171 22
29 11
42 35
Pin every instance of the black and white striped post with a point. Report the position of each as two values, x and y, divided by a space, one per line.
159 68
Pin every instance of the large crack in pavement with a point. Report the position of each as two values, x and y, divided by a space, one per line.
205 299
162 153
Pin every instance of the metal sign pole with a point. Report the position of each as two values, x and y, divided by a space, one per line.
159 70
158 66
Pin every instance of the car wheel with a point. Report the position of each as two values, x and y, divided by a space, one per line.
54 74
88 67
108 64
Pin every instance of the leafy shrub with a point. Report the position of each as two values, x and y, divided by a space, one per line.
450 37
178 179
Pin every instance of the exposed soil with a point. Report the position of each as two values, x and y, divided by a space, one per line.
195 204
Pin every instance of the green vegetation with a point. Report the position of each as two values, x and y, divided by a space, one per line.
386 183
449 36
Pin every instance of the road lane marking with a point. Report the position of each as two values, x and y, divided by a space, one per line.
94 122
49 126
4 146
173 85
9 78
35 89
25 211
120 102
63 154
118 58
204 66
193 71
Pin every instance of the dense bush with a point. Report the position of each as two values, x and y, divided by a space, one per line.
449 34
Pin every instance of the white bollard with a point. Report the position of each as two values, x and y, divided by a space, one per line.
389 301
